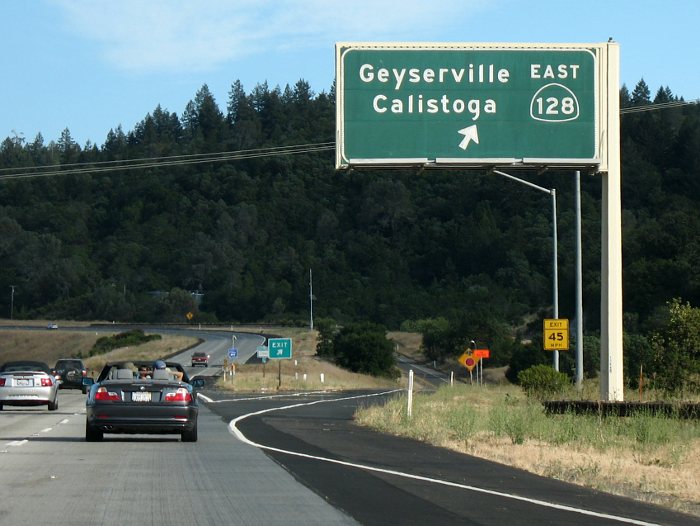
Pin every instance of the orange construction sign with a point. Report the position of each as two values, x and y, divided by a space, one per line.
482 353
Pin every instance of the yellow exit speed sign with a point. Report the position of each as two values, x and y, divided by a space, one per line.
556 334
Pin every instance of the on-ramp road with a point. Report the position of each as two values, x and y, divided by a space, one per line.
379 479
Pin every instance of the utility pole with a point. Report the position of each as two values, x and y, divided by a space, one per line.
311 301
12 301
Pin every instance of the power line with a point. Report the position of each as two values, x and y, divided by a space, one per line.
658 106
201 158
158 162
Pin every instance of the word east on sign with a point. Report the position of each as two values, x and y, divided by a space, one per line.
409 103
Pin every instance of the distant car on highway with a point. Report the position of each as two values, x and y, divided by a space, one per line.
28 383
52 326
200 358
137 397
70 373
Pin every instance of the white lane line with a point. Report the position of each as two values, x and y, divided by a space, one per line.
238 434
264 397
16 443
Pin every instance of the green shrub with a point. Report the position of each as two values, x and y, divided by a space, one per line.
542 381
675 350
123 339
524 357
364 348
327 329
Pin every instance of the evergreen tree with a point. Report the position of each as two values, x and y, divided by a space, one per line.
641 94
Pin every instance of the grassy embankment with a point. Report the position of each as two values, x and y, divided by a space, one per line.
48 346
303 372
649 458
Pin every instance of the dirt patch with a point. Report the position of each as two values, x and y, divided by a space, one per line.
408 344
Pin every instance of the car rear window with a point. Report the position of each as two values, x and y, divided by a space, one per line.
24 366
69 364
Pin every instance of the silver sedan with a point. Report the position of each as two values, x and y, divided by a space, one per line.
27 383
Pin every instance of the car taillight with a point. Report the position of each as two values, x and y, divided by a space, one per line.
2 382
181 395
46 382
103 395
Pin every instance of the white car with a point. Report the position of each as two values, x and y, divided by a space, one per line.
28 383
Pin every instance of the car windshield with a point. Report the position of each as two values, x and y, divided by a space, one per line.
137 371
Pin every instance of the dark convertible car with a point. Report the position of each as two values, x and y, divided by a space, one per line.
140 397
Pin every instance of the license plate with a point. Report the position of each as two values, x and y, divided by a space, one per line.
24 382
139 396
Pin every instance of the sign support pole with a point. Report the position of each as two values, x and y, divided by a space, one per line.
579 286
555 270
611 377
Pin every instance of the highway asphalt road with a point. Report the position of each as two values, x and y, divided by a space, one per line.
274 459
50 475
230 476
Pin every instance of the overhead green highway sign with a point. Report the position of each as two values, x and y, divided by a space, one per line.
467 104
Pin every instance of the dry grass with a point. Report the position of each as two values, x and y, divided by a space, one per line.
49 346
306 375
666 475
407 343
301 373
152 350
46 346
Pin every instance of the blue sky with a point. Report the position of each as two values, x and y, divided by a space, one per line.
91 65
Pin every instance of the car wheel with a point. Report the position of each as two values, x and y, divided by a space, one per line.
53 405
190 436
92 434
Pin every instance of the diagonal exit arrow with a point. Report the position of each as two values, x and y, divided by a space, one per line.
470 134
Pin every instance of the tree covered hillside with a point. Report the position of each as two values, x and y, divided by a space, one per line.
391 246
